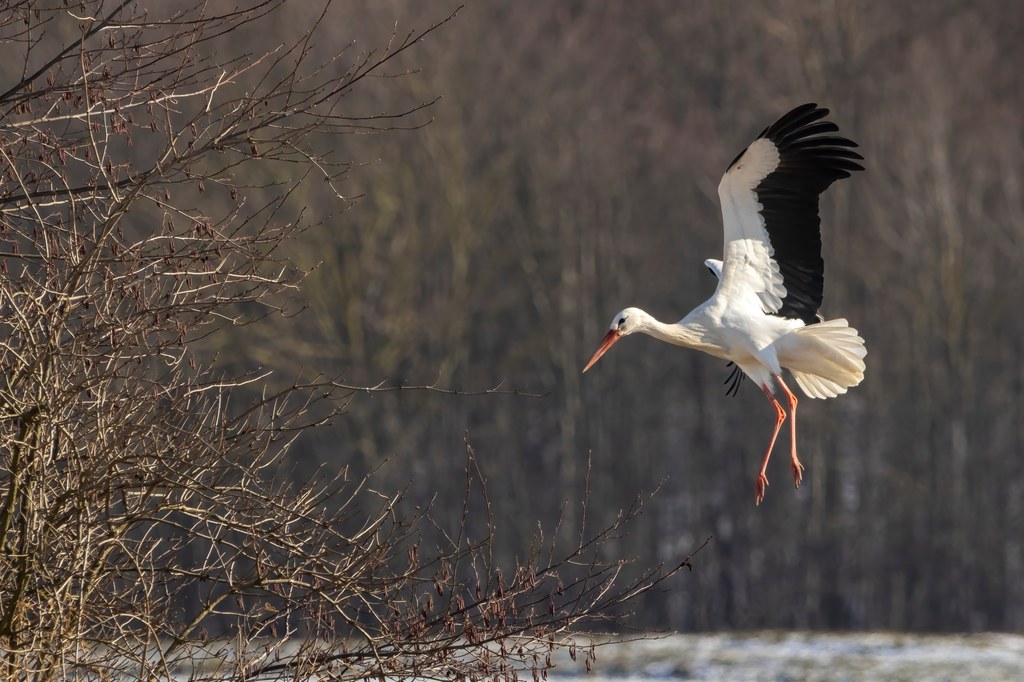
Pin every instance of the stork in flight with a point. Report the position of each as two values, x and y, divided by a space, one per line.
764 314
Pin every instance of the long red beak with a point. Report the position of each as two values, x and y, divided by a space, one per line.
609 340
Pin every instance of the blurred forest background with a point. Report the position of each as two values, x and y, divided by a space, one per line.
570 169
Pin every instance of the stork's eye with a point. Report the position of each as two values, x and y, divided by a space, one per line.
622 321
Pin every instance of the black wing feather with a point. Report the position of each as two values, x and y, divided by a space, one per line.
735 379
809 161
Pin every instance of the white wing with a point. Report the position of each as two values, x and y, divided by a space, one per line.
769 199
747 254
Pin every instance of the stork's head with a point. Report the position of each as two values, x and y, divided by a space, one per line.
624 323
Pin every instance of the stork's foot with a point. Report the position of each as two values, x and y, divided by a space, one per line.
798 471
760 483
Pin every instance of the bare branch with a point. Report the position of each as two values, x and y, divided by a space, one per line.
154 169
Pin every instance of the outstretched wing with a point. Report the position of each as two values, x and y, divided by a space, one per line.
769 197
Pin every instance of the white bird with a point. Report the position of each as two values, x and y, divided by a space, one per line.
763 315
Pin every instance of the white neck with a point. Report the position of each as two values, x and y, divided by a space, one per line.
687 332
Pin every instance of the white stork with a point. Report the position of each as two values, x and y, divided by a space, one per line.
763 315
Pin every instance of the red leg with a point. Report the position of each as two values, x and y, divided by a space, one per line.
762 479
794 462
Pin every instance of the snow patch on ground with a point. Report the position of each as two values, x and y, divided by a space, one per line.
806 657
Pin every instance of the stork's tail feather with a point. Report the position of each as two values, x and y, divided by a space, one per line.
825 358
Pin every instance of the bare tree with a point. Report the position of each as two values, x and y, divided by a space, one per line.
152 172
